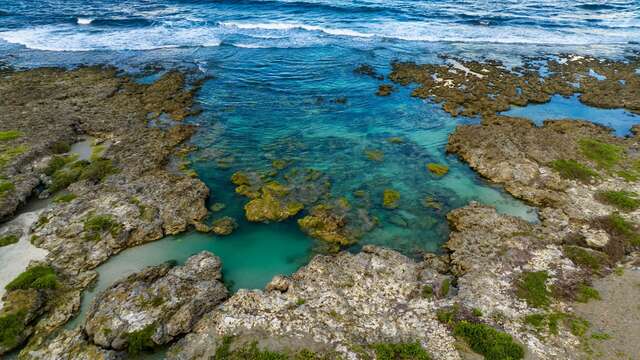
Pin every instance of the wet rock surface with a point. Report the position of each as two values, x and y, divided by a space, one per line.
471 88
170 299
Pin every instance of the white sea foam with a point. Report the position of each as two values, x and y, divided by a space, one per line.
84 21
53 38
295 26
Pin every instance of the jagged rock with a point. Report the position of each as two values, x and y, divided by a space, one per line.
69 345
171 299
340 303
278 283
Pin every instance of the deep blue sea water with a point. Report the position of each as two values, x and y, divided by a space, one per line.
277 67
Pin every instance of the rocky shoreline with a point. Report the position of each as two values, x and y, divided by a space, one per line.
504 287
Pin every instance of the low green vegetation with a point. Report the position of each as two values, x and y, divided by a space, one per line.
586 293
6 186
140 340
590 259
60 147
623 200
617 226
444 288
400 351
11 328
36 277
64 198
64 171
438 169
95 225
10 135
487 341
476 312
578 326
573 170
7 155
427 291
550 321
532 288
448 315
600 336
605 155
8 239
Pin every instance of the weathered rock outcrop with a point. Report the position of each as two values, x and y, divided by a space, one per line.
167 299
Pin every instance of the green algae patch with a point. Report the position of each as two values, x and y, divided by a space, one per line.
10 135
8 239
400 351
5 187
605 155
95 225
573 170
7 155
140 340
622 200
487 341
64 198
374 155
36 277
270 205
390 198
11 329
322 223
438 169
532 287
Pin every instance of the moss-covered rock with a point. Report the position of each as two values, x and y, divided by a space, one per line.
438 169
390 198
224 226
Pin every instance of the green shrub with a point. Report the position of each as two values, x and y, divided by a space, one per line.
60 147
36 277
587 258
140 340
444 287
95 225
10 135
97 170
489 342
448 316
536 320
571 169
11 328
400 351
67 175
616 225
64 198
532 288
603 154
623 200
8 239
427 291
56 163
586 293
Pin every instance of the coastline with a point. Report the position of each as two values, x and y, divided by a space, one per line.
488 254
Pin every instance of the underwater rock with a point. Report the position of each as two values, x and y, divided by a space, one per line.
224 226
368 70
390 198
271 205
202 227
374 155
431 203
216 207
438 169
395 140
384 90
322 223
159 302
279 164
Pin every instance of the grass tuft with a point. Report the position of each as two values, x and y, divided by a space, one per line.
489 342
400 351
36 277
140 340
573 170
8 239
622 200
532 288
95 225
586 293
10 135
11 328
603 154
